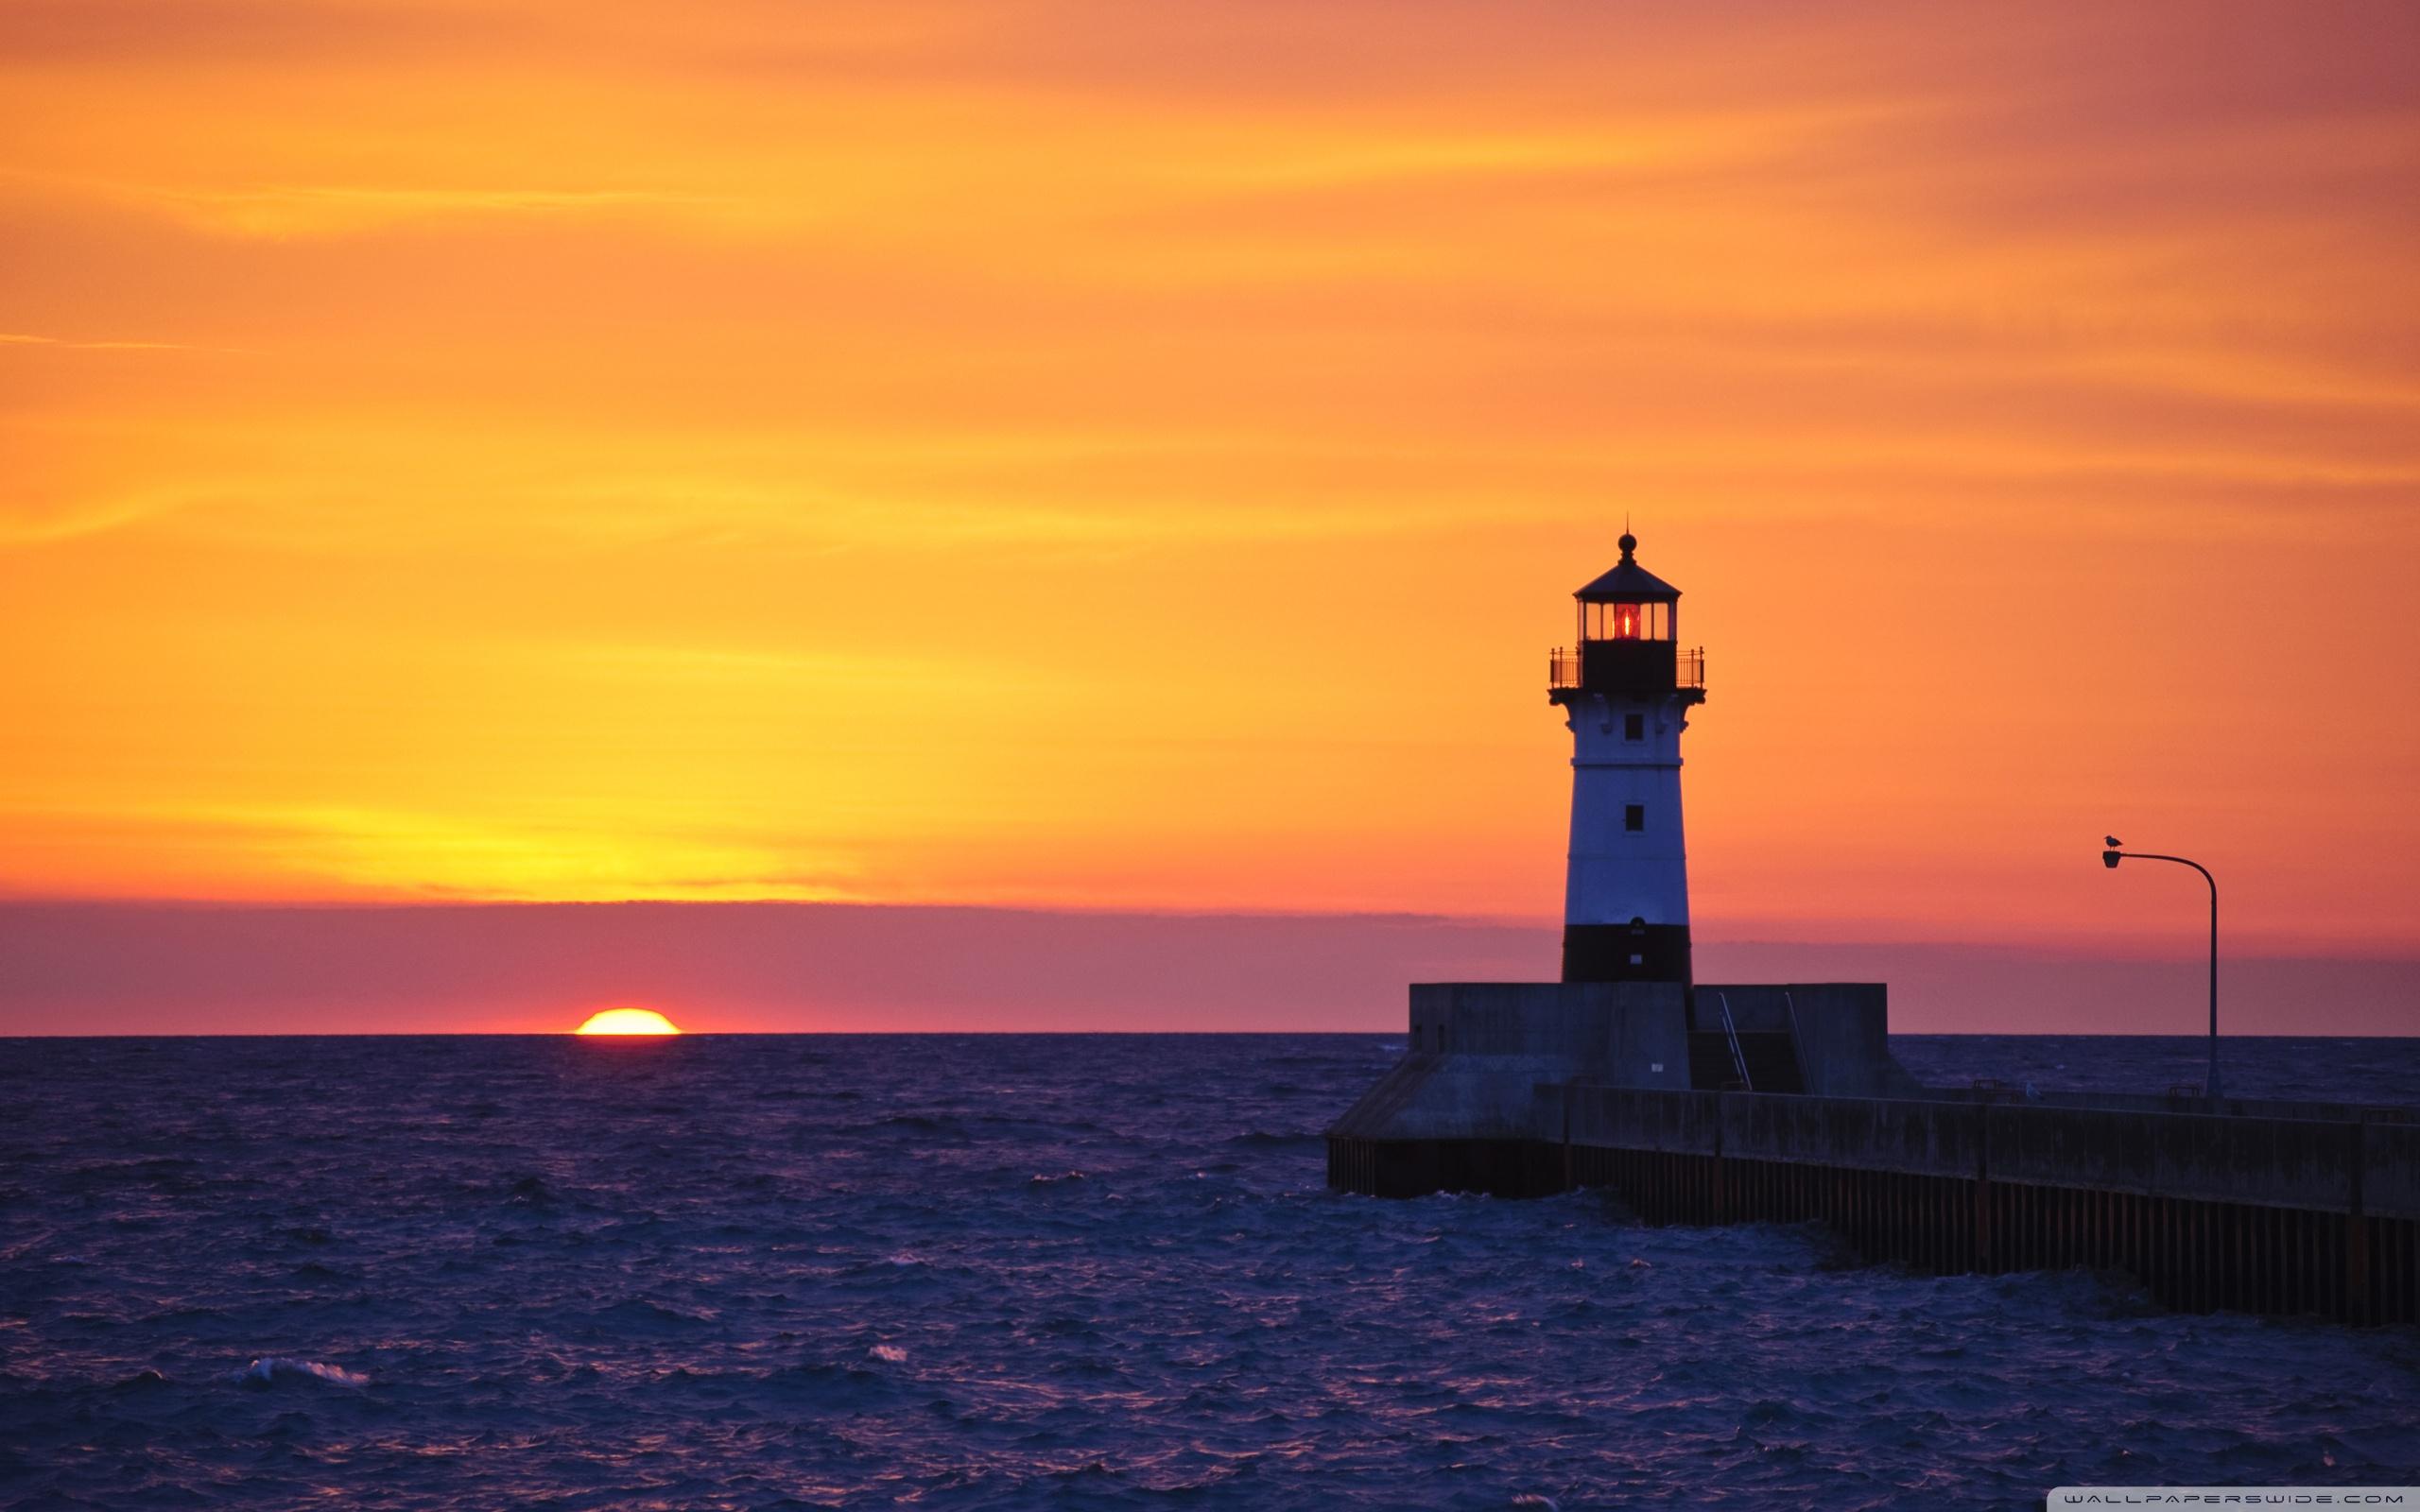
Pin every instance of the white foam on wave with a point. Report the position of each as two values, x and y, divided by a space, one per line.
892 1353
274 1367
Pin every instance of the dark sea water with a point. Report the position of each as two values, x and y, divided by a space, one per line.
1033 1272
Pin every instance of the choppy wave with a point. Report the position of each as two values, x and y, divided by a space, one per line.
1029 1272
270 1370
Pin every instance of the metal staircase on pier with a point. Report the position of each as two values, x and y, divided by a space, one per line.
1723 1057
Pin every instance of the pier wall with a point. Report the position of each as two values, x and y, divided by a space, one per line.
1625 1033
1840 1030
1479 1049
2266 1214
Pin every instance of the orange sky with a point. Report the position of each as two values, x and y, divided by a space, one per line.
1129 455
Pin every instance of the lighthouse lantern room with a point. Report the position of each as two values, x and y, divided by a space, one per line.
1625 692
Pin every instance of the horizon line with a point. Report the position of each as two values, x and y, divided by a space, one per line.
2116 948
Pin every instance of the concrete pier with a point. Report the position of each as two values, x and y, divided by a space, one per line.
1714 1103
1523 1089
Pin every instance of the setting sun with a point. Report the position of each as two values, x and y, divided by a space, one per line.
628 1020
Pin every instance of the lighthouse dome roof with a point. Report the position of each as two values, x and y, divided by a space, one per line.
1627 582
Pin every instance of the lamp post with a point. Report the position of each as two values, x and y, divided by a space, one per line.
2110 858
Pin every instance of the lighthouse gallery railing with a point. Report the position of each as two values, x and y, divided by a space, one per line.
1563 664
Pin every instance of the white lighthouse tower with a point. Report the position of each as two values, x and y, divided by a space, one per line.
1626 692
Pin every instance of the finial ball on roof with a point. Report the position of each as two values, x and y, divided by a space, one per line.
1629 543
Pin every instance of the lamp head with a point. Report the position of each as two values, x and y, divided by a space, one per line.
2109 859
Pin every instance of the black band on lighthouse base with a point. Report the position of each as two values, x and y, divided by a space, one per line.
1626 952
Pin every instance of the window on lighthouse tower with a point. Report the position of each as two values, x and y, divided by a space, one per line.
1626 622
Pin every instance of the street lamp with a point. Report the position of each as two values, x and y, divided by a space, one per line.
2110 858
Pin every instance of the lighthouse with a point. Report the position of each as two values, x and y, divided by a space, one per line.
1503 1086
1625 691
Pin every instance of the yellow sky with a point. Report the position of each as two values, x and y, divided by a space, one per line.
1137 455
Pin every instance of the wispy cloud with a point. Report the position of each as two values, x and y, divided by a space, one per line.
15 338
307 209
